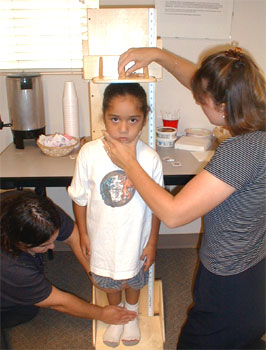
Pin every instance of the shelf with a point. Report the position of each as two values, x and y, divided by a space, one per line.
137 78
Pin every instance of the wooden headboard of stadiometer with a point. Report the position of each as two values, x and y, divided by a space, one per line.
110 32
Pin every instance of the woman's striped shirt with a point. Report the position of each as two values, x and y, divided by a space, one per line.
234 236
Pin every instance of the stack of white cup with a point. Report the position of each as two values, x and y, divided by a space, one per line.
70 109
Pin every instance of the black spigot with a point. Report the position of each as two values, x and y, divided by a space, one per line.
3 125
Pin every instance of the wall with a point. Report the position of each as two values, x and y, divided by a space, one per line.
248 29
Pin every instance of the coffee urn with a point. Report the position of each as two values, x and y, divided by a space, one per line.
26 107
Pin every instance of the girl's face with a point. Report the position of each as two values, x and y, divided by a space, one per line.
123 118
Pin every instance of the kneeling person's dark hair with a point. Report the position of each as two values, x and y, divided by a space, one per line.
27 219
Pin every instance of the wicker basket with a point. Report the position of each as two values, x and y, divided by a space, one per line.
221 133
57 151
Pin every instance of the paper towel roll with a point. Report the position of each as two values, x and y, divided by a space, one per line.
70 109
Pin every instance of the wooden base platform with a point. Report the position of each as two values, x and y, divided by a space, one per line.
151 327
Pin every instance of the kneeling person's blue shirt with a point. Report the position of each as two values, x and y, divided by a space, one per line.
23 282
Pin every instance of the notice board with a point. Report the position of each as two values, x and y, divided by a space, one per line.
198 19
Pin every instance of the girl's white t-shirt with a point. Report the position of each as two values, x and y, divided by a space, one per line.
118 220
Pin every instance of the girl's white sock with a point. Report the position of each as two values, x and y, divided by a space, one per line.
131 334
113 333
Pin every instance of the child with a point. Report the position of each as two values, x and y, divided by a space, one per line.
118 232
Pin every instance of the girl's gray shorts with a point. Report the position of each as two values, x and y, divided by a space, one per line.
136 282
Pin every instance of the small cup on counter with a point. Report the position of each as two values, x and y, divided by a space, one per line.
170 119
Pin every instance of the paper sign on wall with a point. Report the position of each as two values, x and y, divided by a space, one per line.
199 19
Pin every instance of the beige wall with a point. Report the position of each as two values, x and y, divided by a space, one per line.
248 29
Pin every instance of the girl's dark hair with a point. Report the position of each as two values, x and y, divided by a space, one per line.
232 78
123 89
27 220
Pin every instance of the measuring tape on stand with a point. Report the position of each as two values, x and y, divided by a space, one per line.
151 144
151 128
151 98
152 115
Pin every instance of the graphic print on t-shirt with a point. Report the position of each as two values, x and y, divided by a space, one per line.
116 189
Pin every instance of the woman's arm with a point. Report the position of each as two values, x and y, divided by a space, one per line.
179 67
72 305
202 194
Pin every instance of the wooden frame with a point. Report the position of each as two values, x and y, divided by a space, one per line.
152 327
115 30
112 31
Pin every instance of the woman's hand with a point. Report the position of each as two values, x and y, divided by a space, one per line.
116 315
141 56
121 154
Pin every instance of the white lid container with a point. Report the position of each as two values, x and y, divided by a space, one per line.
165 142
167 133
198 132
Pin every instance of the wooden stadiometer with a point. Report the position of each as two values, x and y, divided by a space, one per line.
112 31
123 78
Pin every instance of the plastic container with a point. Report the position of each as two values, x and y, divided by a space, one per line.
165 142
198 132
167 133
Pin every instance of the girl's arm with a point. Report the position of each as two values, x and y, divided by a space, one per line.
149 252
179 67
74 242
80 215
